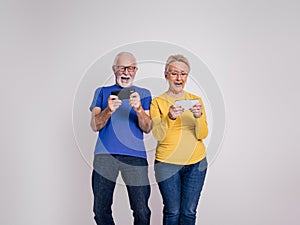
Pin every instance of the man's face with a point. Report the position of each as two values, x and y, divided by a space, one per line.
125 70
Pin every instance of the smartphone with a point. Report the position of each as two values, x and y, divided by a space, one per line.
123 93
186 104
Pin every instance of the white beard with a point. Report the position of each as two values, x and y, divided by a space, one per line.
124 83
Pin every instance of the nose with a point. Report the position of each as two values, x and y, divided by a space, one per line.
178 77
126 71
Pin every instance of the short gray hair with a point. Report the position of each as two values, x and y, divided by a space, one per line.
123 53
177 58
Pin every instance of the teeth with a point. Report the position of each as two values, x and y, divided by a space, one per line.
124 80
125 77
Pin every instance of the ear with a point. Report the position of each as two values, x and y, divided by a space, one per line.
166 75
113 68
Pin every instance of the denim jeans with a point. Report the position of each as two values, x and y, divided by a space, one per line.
134 172
180 187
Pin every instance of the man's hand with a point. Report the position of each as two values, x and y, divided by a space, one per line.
113 103
135 101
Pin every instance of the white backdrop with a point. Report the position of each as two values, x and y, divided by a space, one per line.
251 48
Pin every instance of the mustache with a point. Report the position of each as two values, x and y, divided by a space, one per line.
125 76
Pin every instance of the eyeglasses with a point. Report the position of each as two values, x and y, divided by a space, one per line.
175 74
123 68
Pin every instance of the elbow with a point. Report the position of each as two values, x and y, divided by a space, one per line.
149 127
159 129
201 137
202 134
92 125
147 131
158 136
94 128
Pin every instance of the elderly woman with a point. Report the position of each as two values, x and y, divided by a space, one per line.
179 125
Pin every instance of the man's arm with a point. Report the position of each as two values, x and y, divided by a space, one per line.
144 119
143 116
99 117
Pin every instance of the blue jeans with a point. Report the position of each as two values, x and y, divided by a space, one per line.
134 172
180 187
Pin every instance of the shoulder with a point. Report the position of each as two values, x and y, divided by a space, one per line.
142 91
108 88
137 88
191 95
98 89
97 92
104 89
160 99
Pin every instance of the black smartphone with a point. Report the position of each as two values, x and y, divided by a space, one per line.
123 93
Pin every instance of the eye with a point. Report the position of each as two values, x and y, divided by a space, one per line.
131 68
121 68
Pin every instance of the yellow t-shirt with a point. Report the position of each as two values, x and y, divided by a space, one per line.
180 140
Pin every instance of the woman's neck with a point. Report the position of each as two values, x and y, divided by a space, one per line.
174 94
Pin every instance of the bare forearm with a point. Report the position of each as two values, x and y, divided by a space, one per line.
144 120
99 119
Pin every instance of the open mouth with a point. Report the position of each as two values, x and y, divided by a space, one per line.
125 78
178 84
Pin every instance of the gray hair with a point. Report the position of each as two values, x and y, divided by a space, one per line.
177 58
121 54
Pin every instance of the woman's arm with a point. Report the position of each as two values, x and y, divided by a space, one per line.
201 128
160 123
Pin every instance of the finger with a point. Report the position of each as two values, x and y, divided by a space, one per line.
133 101
176 108
113 97
134 95
118 102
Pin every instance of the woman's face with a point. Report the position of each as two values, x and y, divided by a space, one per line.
176 75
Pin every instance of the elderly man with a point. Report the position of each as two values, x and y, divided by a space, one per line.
120 114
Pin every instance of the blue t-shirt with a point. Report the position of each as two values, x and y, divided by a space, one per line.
121 134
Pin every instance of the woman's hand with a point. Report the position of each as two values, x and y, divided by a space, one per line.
196 110
175 111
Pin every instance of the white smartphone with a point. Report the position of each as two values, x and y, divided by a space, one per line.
186 104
